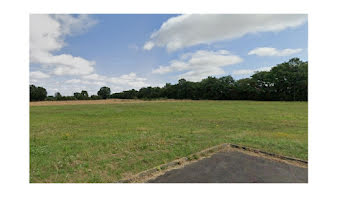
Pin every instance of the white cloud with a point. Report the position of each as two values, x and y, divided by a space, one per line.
68 87
200 64
95 77
47 33
197 75
251 71
79 81
74 81
123 82
130 80
67 64
189 30
74 25
38 75
148 46
267 51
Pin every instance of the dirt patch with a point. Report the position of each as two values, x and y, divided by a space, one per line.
107 101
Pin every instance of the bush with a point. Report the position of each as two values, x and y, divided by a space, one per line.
50 98
95 97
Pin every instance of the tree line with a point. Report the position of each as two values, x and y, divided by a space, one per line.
40 94
287 81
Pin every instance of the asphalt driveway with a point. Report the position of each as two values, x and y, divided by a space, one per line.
235 167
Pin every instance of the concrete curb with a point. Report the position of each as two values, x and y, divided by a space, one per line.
268 154
196 156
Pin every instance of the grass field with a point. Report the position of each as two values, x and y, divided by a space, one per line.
107 142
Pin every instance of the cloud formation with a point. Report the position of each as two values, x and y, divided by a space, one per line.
38 75
122 82
251 71
189 30
47 33
267 51
200 64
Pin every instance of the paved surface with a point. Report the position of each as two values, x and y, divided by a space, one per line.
235 167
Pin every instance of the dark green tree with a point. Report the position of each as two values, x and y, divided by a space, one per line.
169 91
246 89
84 94
58 96
285 79
104 92
37 93
225 87
77 95
95 97
210 88
264 86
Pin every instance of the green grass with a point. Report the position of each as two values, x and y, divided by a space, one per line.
104 143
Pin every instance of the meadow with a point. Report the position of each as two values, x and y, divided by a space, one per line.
108 142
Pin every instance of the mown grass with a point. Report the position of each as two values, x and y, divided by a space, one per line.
104 143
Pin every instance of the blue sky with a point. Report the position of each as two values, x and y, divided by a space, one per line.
69 53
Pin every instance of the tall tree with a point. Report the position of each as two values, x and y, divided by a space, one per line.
84 94
104 92
77 95
37 93
58 96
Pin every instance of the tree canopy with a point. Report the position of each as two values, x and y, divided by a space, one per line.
287 81
37 93
104 92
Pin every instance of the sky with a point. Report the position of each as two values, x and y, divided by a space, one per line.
71 53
